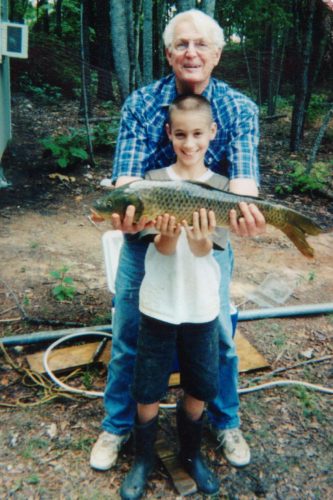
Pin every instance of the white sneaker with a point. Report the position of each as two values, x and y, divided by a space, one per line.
104 453
234 446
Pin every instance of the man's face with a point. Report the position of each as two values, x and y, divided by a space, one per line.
190 133
193 56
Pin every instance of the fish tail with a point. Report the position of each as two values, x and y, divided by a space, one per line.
296 228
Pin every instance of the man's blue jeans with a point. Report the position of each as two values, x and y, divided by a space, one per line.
120 408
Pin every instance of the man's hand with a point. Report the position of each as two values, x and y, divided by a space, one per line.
127 225
250 223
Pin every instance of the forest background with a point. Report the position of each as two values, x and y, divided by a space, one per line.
280 53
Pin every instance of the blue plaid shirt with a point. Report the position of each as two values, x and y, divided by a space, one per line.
143 144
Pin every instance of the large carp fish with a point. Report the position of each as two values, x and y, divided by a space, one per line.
182 198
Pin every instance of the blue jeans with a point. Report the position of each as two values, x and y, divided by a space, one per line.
120 408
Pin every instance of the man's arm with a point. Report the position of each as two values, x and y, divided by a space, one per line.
252 223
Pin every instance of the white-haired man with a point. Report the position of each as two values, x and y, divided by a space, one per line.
193 42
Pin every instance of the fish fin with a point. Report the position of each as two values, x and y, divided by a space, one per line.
297 236
249 199
307 225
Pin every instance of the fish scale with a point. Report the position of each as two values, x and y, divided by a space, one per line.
182 198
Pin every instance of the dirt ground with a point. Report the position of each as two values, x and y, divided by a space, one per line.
45 438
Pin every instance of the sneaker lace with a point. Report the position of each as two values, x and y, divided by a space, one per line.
229 438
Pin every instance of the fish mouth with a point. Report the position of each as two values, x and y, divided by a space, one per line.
96 217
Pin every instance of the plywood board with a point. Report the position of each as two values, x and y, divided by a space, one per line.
79 355
249 357
69 357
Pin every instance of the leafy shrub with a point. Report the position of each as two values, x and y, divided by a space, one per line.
45 93
104 135
64 289
299 179
68 149
316 108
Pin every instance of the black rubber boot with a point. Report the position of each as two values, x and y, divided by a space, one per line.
135 482
190 433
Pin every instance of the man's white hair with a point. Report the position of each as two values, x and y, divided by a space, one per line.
201 21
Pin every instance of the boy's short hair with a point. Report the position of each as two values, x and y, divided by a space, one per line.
191 102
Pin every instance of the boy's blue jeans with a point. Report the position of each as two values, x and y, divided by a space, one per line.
120 408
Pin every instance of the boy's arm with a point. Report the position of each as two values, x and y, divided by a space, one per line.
169 231
198 236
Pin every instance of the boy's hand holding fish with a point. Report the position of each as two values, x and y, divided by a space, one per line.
198 235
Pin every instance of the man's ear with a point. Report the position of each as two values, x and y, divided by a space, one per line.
168 55
217 56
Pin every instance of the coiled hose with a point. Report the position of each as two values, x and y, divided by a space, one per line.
93 394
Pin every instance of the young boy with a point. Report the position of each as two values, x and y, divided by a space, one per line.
179 305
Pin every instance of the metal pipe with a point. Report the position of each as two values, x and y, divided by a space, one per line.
46 336
280 312
251 314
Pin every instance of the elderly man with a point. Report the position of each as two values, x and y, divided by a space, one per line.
193 43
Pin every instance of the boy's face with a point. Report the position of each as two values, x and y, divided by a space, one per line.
190 133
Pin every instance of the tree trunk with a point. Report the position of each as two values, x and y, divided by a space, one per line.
42 23
147 44
104 53
58 27
159 55
248 69
208 7
17 10
302 75
137 21
185 5
85 102
119 37
280 70
318 140
271 75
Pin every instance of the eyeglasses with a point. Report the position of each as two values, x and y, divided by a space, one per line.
198 46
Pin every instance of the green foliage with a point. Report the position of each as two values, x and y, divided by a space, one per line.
308 402
68 149
88 377
104 135
299 179
316 108
46 94
64 289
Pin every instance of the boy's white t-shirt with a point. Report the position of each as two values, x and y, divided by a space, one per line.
180 288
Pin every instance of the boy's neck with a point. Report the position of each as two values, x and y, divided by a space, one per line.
189 172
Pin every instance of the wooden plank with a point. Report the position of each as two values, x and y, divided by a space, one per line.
249 357
182 481
79 355
69 357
